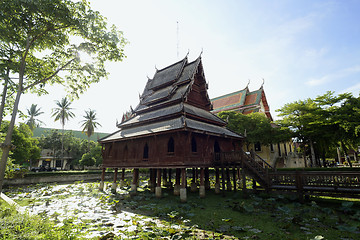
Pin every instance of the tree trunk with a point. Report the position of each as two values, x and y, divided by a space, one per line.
313 160
346 153
62 147
304 156
3 99
6 146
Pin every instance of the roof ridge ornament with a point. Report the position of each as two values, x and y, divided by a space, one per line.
263 81
248 84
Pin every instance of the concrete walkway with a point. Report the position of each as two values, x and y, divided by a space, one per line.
12 203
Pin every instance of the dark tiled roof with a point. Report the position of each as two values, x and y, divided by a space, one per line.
163 105
169 125
148 129
210 128
167 75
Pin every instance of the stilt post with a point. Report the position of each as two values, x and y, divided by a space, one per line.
183 197
102 182
114 185
202 183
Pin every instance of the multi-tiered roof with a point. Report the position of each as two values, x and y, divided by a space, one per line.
175 99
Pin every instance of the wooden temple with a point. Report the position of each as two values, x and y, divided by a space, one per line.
171 128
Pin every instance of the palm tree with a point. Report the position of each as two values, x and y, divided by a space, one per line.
62 113
89 124
34 112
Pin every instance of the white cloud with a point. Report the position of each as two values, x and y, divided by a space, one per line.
340 74
355 90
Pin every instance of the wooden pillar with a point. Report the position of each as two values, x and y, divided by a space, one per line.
207 179
122 179
158 184
137 172
165 177
254 184
299 186
133 185
169 182
223 180
193 186
243 178
153 179
228 180
217 181
202 183
234 177
101 187
150 179
114 185
177 182
183 197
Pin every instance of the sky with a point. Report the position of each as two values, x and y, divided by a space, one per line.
301 49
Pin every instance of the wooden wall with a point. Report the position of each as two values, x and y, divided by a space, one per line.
132 153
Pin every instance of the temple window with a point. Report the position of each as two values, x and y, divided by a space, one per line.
193 145
171 147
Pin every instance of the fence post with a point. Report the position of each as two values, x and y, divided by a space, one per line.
299 186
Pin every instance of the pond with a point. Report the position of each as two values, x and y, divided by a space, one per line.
94 214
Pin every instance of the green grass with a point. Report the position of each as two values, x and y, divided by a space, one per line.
14 225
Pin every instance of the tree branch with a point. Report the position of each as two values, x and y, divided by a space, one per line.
48 78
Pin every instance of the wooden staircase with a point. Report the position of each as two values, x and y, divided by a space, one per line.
251 163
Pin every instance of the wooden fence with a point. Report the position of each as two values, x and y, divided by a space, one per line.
328 183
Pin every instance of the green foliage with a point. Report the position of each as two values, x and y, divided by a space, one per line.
25 147
92 158
328 120
73 146
89 123
64 28
14 225
62 112
256 126
33 112
14 170
87 160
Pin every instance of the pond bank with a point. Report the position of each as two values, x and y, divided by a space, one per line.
57 178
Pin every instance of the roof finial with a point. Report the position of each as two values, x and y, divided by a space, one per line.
202 50
262 83
156 68
248 83
187 53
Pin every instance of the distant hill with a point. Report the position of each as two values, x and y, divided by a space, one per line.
78 134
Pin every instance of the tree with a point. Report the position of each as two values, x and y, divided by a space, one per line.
34 112
47 37
25 147
255 126
324 122
89 124
62 113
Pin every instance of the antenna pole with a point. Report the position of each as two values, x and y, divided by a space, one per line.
177 39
